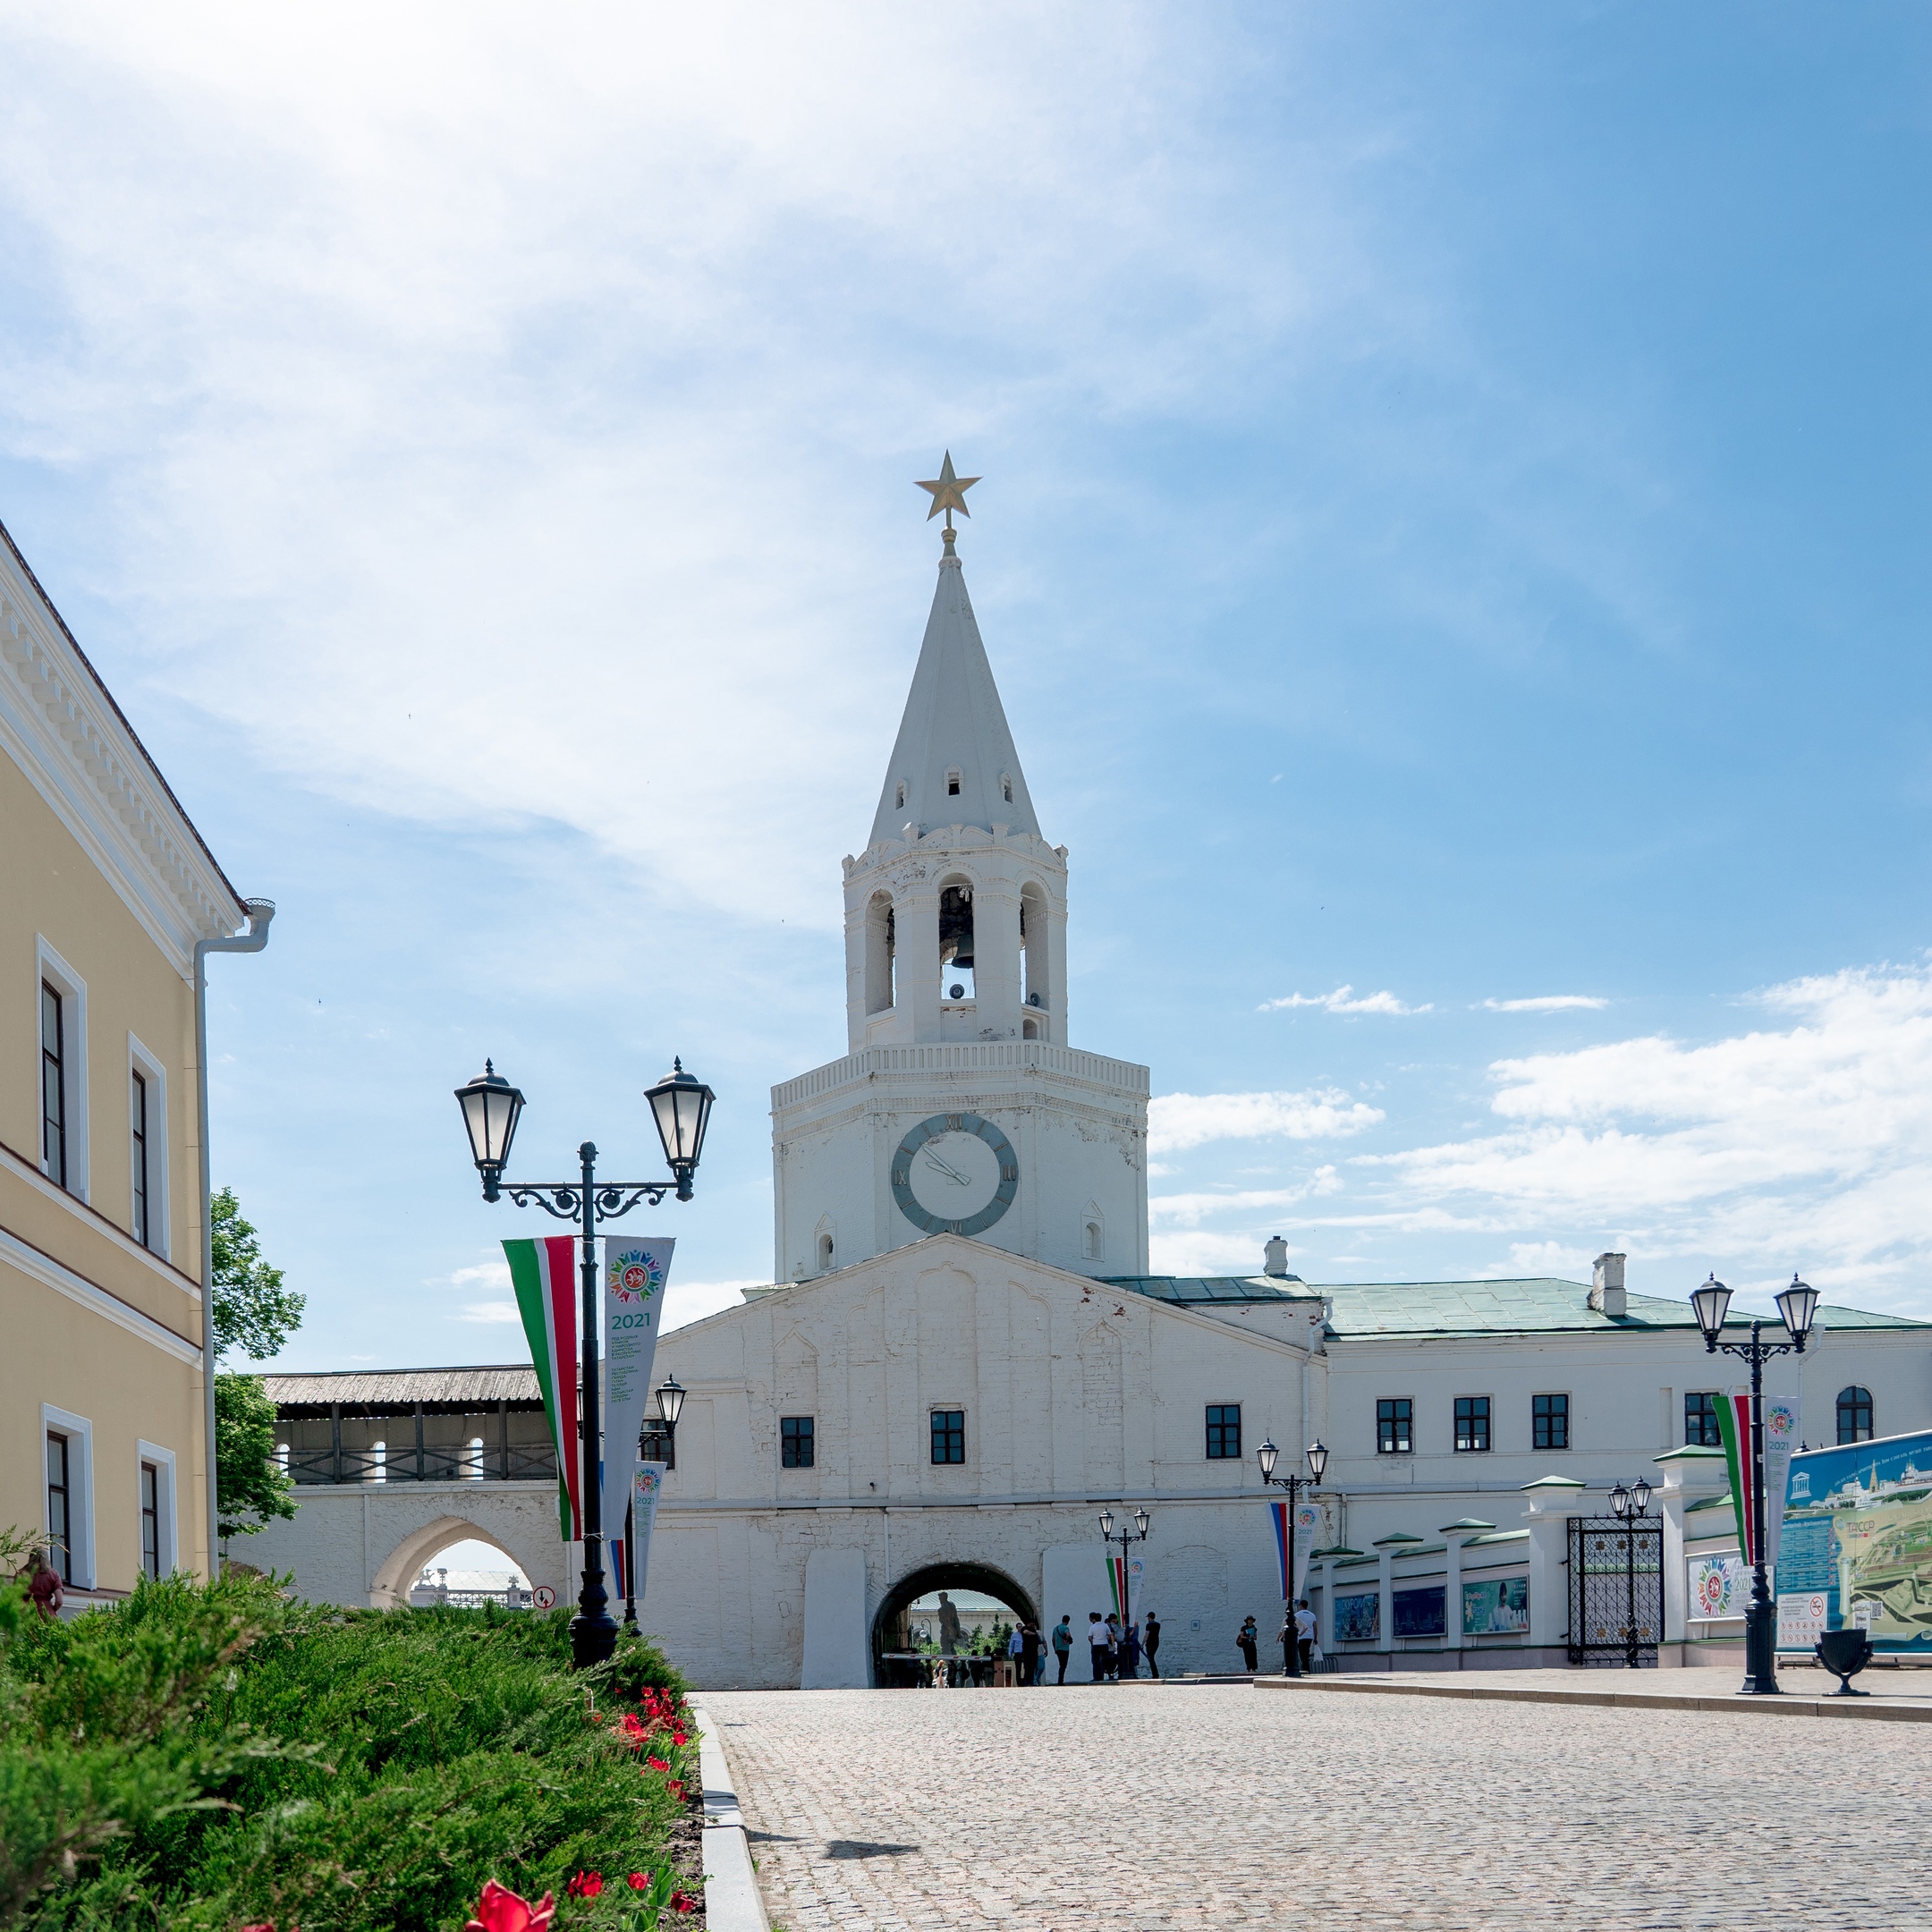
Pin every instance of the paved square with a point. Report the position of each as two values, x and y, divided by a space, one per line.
1151 1806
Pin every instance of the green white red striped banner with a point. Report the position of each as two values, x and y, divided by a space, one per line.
1733 1427
543 1273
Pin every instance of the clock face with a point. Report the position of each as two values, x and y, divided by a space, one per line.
955 1173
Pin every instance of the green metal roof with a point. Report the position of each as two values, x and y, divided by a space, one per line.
1539 1305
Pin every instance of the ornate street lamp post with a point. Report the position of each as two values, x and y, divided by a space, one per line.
670 1401
1630 1507
1797 1305
1138 1534
1266 1456
681 1107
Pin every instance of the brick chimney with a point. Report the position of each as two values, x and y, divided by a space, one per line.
1607 1295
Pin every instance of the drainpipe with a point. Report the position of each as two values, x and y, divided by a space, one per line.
259 913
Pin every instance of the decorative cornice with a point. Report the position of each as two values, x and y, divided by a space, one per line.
37 1265
60 723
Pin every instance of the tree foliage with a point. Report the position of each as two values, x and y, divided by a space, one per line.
253 1312
250 1489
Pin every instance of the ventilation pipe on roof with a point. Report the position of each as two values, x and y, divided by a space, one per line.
1607 1295
1274 1256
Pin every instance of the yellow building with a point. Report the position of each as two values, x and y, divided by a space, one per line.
109 901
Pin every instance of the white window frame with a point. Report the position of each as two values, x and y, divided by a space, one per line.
80 1434
140 1061
72 989
168 1538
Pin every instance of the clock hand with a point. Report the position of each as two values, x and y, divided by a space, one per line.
949 1171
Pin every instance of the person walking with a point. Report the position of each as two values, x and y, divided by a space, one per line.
1286 1639
1030 1656
1131 1651
1097 1645
1150 1644
1062 1642
1247 1637
1305 1635
1113 1648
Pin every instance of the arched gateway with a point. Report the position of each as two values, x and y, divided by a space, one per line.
891 1640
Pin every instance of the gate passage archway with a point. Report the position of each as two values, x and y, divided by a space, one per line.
889 1633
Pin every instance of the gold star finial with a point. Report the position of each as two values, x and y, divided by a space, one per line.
949 493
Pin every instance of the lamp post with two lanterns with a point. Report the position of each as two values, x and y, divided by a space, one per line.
1138 1534
1796 1306
681 1106
1267 1455
1630 1507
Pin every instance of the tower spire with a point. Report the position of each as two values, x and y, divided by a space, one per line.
953 761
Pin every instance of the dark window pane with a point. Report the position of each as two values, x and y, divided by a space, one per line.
1701 1420
1224 1432
795 1444
1550 1421
1394 1415
59 1523
138 1109
1472 1423
1854 1415
53 1085
949 1434
150 1518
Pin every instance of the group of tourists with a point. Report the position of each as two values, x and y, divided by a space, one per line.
1115 1650
1297 1638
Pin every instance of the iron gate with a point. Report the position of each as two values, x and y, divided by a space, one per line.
1616 1591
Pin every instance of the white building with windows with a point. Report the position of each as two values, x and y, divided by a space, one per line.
964 1359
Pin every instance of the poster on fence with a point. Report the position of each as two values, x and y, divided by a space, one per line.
1358 1617
1858 1532
1497 1609
1717 1587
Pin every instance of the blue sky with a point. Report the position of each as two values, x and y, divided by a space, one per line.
1452 548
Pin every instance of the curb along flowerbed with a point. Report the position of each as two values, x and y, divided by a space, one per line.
213 1756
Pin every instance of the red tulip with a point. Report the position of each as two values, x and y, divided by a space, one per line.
500 1909
638 1881
586 1885
658 1764
683 1901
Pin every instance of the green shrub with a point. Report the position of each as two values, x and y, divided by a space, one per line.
206 1756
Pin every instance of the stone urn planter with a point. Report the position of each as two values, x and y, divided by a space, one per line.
1845 1653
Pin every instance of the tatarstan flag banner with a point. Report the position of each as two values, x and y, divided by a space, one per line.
543 1272
1733 1426
1278 1516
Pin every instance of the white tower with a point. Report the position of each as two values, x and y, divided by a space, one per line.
960 1107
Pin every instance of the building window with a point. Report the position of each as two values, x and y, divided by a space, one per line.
949 1434
1854 1415
1091 1245
138 1111
53 1084
1472 1423
952 784
1224 1432
59 1505
1394 1418
150 1519
899 801
795 1447
1701 1420
1550 1421
657 1445
1006 786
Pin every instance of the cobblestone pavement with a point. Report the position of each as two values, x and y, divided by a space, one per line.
1152 1806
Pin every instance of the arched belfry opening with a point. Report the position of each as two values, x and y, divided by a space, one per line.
882 954
905 1614
956 940
1035 960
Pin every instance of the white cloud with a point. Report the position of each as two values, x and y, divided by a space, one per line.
1176 1121
1343 1000
686 1302
1189 1210
496 1274
1193 1252
488 1311
1549 1003
1807 1146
